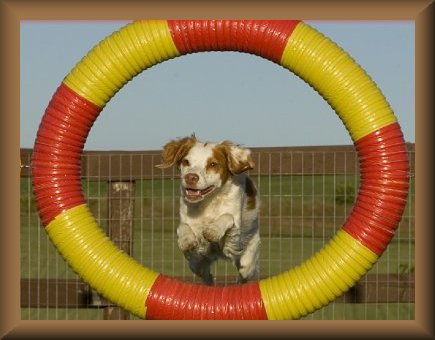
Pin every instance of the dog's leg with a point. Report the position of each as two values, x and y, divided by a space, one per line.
248 264
200 265
187 240
215 231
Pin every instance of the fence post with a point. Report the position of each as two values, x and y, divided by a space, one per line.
120 229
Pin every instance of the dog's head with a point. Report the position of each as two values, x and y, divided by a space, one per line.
205 167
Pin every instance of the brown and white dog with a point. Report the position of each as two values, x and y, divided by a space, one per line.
219 206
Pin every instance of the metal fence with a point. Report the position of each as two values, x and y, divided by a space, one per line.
306 194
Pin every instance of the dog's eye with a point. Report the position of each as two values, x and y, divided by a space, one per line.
185 162
213 164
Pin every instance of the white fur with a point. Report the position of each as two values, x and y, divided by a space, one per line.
222 224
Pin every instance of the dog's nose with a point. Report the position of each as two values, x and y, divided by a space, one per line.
191 179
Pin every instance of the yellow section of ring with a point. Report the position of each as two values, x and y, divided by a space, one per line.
89 252
319 280
339 79
120 57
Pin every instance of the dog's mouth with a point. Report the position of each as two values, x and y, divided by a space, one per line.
196 195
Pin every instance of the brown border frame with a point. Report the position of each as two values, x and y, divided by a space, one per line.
13 11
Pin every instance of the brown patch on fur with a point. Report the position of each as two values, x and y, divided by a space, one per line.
236 166
175 151
220 159
251 193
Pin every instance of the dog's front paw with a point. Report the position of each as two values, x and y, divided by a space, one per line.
212 234
187 243
215 231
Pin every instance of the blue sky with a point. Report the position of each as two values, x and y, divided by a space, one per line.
216 95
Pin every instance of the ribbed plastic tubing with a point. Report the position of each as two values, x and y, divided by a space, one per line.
296 46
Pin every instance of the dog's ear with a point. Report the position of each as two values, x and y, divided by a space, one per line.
175 150
239 159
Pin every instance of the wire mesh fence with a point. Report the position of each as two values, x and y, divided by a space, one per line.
306 194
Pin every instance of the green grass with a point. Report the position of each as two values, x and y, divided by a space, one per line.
299 214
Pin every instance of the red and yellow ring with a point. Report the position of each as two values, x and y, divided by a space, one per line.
290 295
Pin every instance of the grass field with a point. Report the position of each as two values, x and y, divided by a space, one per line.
299 214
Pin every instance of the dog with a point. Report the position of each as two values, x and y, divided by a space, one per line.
219 206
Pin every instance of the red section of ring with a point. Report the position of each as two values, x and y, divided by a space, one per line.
383 191
169 299
56 157
265 38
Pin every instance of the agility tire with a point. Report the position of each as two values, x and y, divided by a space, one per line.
296 46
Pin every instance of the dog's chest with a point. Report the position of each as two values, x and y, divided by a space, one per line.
199 214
